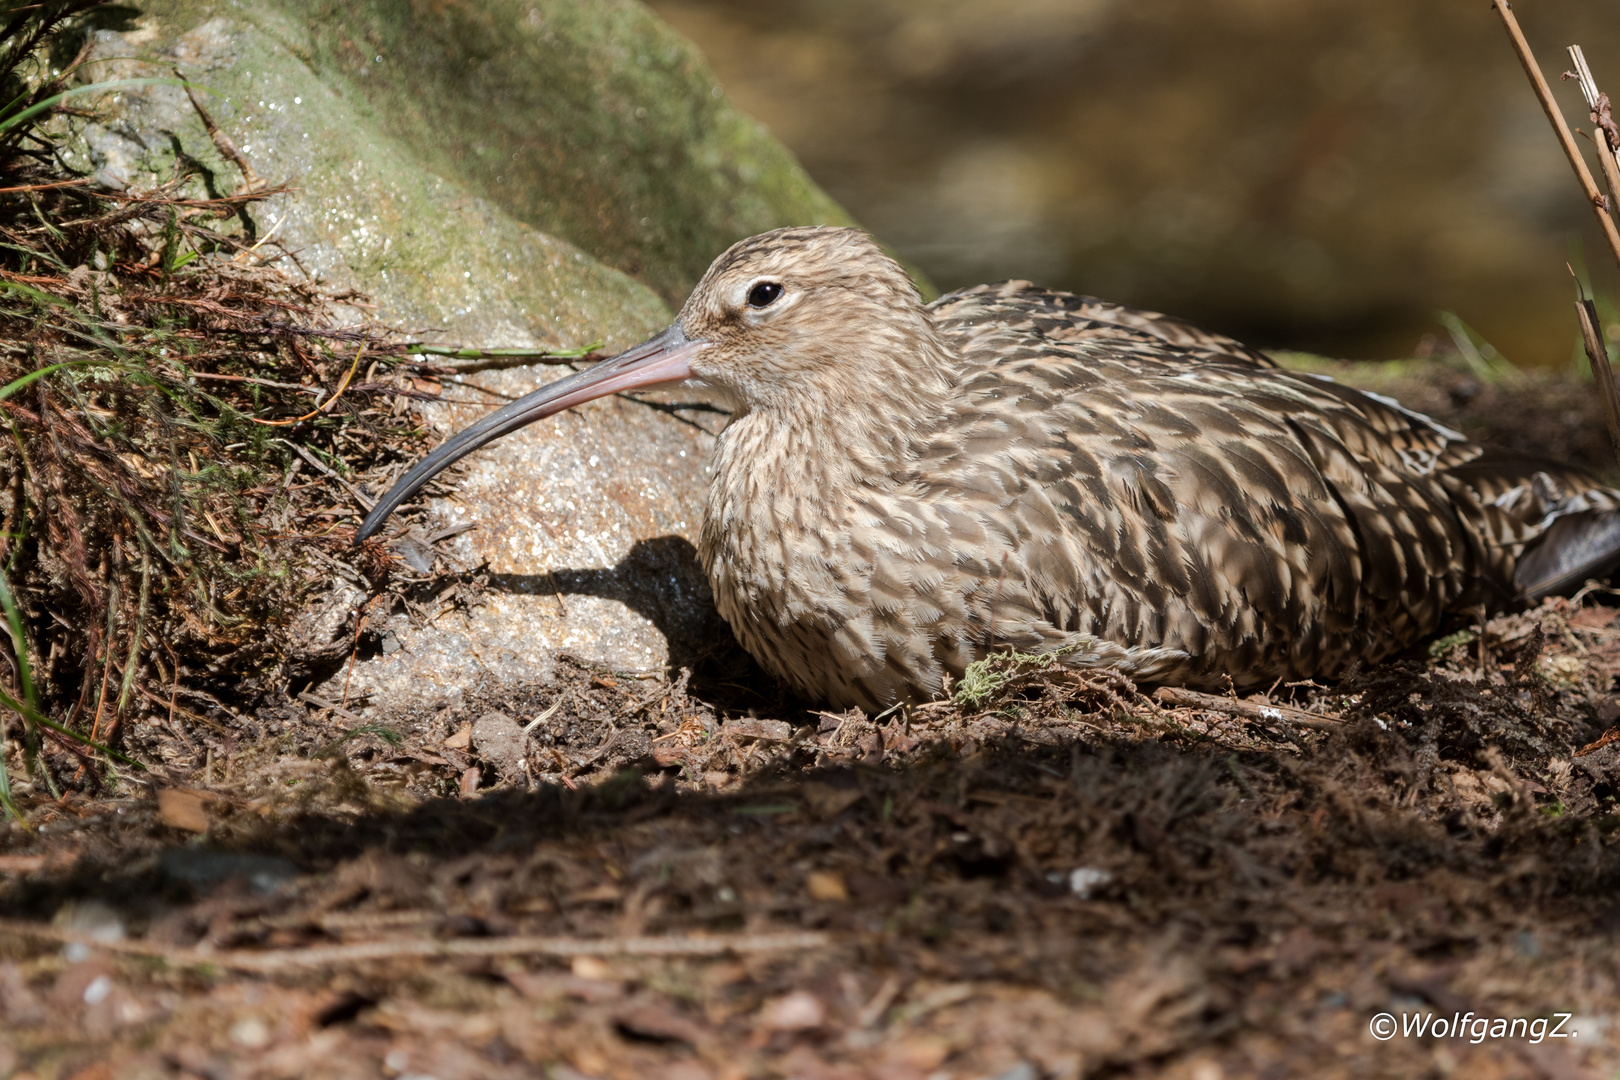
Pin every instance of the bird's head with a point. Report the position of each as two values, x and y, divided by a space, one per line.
794 319
800 320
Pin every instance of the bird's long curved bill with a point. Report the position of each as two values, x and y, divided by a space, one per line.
658 361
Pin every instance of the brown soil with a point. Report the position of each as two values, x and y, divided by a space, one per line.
699 877
1073 880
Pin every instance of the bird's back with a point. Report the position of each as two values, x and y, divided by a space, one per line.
1022 309
1171 491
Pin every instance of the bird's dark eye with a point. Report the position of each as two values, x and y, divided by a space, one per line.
764 294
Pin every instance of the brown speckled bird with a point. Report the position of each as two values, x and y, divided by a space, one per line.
904 488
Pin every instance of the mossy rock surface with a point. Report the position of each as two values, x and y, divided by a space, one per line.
500 175
592 121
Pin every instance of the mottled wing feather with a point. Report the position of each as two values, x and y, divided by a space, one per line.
1423 445
1255 522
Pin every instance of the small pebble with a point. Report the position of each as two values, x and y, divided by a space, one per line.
251 1033
823 885
798 1011
1086 879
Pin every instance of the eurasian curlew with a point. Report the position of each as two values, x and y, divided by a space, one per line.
903 487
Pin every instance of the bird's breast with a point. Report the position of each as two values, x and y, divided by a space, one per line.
851 591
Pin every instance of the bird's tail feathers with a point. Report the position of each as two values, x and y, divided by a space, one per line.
1558 525
1573 548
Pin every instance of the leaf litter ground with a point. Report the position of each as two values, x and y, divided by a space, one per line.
1072 880
693 876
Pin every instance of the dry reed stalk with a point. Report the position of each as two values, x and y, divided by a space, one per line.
1260 711
1602 373
1566 138
1605 135
1606 139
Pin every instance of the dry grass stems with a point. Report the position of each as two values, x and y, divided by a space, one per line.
1606 141
190 435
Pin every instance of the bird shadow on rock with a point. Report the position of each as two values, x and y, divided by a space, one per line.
660 580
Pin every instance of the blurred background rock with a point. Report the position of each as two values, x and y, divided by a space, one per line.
1322 176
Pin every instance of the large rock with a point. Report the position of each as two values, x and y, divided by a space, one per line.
509 174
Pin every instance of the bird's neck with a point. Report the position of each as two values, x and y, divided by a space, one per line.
863 431
783 520
803 466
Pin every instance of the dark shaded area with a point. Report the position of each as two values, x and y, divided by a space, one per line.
64 47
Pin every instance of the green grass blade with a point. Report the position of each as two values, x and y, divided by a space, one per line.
17 384
19 644
66 732
140 627
25 677
28 708
6 802
34 294
9 122
456 352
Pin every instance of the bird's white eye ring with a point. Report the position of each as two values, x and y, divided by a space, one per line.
764 294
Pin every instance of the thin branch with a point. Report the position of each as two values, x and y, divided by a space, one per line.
498 359
325 405
322 956
365 502
256 382
222 142
322 703
45 187
1245 710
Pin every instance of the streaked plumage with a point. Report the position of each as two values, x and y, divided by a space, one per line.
903 488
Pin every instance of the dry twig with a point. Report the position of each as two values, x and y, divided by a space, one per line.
1598 356
1597 104
250 180
1244 710
269 961
1607 142
1606 137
